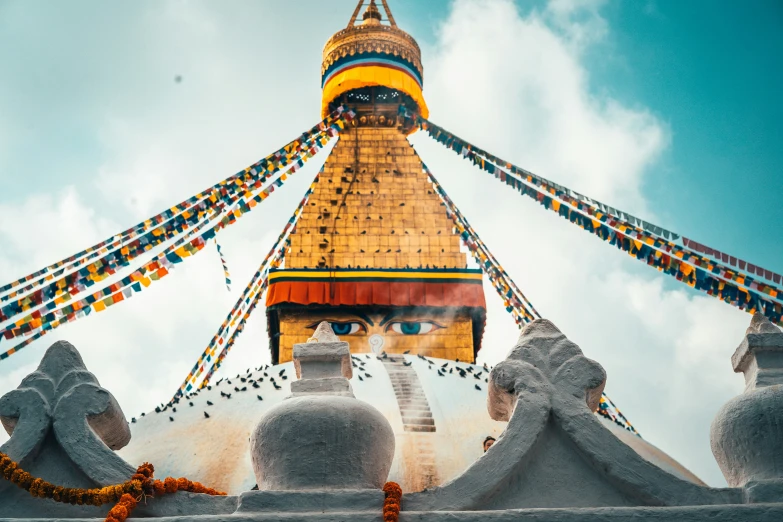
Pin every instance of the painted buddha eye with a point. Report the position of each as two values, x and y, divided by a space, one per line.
413 327
346 328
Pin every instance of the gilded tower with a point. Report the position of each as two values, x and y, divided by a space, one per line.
374 252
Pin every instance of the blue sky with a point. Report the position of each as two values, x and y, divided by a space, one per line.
710 71
669 110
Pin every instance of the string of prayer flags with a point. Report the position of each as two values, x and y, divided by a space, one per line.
515 301
179 217
490 163
48 317
225 266
606 408
256 286
731 286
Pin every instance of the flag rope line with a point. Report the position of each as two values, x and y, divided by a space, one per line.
225 266
99 270
683 264
170 256
161 263
222 333
466 149
513 299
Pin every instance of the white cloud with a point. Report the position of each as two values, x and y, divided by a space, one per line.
512 84
516 86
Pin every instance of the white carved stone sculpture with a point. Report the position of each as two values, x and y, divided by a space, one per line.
322 437
63 428
554 452
747 433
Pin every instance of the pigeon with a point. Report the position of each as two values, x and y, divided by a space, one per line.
171 419
486 380
478 387
191 404
236 389
260 398
406 363
367 374
485 367
228 381
266 374
255 385
243 379
285 377
470 369
360 378
276 386
406 352
477 376
157 409
244 388
143 414
441 373
228 396
133 420
451 370
457 360
209 387
282 371
445 365
209 403
206 415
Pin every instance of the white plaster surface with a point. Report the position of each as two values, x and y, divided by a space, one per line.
216 451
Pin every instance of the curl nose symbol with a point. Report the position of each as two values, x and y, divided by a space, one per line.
376 343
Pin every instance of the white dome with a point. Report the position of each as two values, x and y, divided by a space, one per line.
439 422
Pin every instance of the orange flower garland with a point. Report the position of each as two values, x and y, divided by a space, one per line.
391 506
126 495
37 487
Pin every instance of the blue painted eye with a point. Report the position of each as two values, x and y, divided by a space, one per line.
345 328
413 327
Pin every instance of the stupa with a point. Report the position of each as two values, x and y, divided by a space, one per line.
375 320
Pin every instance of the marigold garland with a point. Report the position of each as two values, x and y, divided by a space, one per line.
391 506
126 495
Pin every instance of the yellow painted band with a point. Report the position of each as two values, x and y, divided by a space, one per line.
371 76
342 274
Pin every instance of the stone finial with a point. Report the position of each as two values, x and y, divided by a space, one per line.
324 334
760 354
747 433
542 362
759 324
322 437
62 396
323 364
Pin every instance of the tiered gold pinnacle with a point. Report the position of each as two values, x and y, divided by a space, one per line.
374 207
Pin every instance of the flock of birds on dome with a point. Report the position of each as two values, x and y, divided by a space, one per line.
248 382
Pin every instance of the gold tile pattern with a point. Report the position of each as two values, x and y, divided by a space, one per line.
374 207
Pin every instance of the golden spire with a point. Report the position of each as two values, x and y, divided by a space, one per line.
372 14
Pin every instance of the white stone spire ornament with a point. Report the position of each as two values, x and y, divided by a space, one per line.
747 433
322 437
